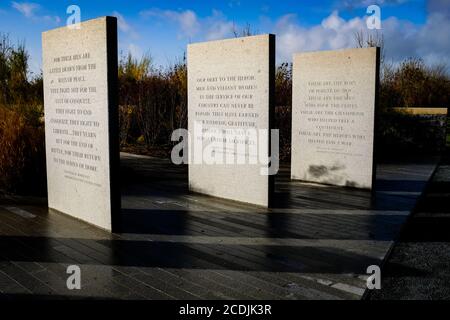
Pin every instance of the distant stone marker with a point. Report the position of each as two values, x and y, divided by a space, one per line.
231 92
333 115
81 134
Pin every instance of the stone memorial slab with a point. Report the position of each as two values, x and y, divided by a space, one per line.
81 128
333 115
230 109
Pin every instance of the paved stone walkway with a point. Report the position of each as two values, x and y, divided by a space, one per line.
315 244
419 265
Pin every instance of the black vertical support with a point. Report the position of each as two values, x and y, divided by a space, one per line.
113 122
271 110
376 121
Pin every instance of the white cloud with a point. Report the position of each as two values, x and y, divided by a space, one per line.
217 26
121 22
333 33
124 26
128 46
402 38
220 30
52 19
135 50
190 25
353 4
187 20
30 10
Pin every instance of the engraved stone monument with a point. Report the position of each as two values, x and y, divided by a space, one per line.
230 107
333 115
81 133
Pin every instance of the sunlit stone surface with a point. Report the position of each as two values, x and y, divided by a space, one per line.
230 88
80 83
333 114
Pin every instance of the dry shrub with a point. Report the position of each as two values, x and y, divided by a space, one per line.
22 157
153 102
400 133
22 146
283 109
127 122
283 122
283 85
414 84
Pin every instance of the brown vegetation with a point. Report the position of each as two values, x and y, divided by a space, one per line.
153 102
22 154
414 84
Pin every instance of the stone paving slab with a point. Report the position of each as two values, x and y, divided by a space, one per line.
316 243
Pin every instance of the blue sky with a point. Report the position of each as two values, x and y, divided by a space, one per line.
163 28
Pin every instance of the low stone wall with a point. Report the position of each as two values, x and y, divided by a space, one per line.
424 111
